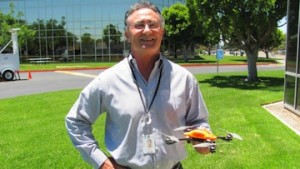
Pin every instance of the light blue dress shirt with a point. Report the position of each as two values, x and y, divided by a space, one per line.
178 102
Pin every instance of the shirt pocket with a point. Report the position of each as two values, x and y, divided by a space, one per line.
173 104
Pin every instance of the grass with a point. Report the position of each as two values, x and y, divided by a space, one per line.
65 65
204 59
236 106
33 134
228 59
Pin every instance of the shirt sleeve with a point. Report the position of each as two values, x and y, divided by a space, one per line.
197 113
79 121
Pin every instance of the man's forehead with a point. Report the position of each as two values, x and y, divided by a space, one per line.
144 14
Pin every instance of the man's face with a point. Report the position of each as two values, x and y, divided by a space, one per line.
144 31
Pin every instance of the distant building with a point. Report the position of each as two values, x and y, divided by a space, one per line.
75 29
292 71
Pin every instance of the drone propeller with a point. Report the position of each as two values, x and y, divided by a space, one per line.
204 145
173 138
170 139
184 128
236 136
232 135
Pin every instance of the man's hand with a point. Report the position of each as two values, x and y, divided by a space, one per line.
110 163
107 165
201 150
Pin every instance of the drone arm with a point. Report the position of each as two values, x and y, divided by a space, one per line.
226 138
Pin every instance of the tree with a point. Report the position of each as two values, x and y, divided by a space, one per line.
275 40
50 38
88 43
177 26
207 29
112 38
244 24
111 35
10 21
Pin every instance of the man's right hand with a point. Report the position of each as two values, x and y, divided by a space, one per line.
107 165
110 163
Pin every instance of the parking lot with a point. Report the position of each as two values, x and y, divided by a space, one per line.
46 82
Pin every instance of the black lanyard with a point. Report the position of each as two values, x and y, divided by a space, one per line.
137 86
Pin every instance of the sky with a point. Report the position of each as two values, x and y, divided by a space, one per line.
284 27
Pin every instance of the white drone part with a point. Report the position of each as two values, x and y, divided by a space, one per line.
184 128
204 145
234 135
173 138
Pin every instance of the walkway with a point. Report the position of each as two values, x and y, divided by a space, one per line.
285 116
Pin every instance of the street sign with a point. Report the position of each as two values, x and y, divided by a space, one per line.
220 54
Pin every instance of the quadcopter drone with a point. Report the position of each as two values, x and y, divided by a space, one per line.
202 135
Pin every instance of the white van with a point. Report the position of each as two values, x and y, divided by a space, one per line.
10 62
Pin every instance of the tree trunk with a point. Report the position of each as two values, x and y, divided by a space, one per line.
251 61
267 54
186 59
209 49
175 51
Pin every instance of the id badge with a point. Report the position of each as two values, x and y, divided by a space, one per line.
148 143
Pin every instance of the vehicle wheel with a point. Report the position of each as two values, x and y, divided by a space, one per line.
8 75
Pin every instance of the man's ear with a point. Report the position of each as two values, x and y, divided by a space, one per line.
164 31
127 36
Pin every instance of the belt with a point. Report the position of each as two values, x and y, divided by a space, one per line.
176 166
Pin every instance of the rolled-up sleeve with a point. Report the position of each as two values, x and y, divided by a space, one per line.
197 114
80 119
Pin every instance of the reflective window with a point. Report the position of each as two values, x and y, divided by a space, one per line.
298 96
289 93
292 36
292 92
74 30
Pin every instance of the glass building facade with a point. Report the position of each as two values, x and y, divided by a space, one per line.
74 30
292 72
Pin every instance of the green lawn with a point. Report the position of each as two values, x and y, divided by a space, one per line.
204 59
63 65
228 59
33 134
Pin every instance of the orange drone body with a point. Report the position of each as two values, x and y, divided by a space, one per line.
202 134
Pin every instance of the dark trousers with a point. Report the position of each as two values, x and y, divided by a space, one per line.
178 166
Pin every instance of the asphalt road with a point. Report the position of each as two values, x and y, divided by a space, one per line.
41 82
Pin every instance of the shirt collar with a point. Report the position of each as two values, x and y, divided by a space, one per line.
157 64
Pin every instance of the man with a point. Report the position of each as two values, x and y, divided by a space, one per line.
145 97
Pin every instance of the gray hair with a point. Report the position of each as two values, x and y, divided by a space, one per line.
140 5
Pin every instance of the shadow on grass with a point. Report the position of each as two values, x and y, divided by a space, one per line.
260 60
238 82
196 59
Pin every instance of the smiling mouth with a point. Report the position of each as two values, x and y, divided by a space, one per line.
147 40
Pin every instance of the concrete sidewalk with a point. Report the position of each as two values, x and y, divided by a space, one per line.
285 116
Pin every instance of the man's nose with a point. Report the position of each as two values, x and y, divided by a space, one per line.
147 29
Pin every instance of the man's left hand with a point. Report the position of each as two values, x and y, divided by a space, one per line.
201 150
